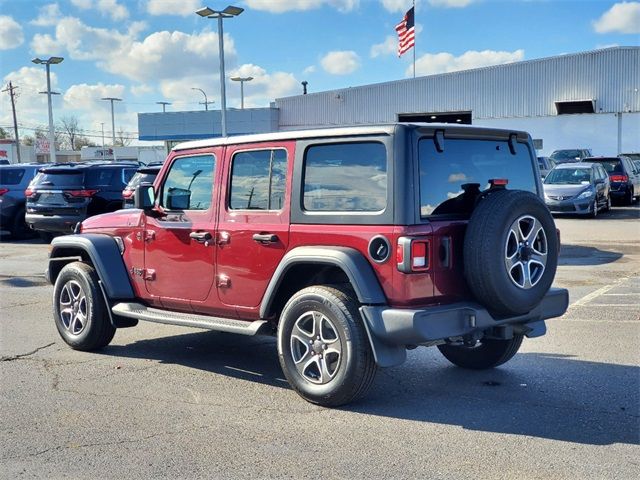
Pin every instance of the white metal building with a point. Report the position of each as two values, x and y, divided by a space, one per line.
582 100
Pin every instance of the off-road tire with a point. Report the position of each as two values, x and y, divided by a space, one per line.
487 241
79 308
487 353
356 368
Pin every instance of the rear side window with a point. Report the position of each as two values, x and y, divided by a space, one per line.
100 177
450 180
11 176
345 177
59 178
258 180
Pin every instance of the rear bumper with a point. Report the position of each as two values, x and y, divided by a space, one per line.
53 223
391 329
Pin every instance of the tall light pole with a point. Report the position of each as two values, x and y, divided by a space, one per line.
52 137
242 80
228 12
206 102
102 125
164 106
113 122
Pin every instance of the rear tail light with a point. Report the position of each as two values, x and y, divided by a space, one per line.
3 191
619 178
80 193
412 254
127 193
29 192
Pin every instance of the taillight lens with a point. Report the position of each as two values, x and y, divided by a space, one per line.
29 192
127 193
619 178
80 193
412 254
3 191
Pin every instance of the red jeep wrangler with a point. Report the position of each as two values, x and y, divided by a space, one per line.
350 244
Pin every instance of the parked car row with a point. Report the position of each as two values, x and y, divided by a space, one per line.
589 186
52 199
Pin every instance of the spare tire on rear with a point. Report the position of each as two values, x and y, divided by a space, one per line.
510 251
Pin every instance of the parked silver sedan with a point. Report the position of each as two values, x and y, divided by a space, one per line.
579 188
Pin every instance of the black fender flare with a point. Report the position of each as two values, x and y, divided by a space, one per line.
355 266
103 252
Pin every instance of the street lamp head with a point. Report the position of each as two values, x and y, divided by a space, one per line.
55 60
38 61
205 12
231 10
241 79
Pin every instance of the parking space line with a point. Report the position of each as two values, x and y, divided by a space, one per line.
590 296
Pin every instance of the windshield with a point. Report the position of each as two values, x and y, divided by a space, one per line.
451 180
568 176
565 155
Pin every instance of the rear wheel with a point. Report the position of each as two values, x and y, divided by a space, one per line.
608 205
80 311
20 230
628 199
323 347
486 353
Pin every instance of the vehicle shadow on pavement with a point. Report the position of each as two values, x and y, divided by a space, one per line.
536 394
246 358
540 395
581 255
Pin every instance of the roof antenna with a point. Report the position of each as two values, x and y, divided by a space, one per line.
304 87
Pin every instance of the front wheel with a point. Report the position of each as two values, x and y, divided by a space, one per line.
486 353
607 208
323 347
79 308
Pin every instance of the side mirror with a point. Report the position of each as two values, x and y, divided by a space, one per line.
144 197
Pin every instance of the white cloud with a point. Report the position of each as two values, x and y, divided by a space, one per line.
113 9
265 86
183 8
142 89
388 47
457 177
401 6
443 62
11 35
281 6
48 15
83 96
622 17
45 44
82 4
340 62
309 70
31 104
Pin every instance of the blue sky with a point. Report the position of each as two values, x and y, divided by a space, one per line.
145 51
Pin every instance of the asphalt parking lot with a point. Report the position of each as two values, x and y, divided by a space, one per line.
181 403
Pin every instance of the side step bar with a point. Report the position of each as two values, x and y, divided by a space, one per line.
142 312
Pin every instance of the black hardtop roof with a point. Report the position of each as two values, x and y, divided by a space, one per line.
82 167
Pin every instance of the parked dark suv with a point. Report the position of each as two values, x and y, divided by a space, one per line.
13 182
624 176
351 245
143 175
63 195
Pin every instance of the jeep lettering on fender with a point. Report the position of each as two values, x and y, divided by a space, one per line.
350 245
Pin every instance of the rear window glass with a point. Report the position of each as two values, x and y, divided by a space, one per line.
450 180
140 178
61 178
346 177
11 176
611 165
258 180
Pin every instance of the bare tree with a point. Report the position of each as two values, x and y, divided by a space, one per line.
122 140
82 141
70 130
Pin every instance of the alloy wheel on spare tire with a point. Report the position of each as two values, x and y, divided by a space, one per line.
510 251
323 347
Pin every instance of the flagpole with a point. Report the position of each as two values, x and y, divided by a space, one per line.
414 41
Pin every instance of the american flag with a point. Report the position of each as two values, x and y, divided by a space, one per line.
406 32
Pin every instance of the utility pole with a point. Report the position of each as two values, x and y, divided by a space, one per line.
113 122
11 90
102 125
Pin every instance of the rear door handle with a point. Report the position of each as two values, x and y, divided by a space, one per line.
201 237
265 237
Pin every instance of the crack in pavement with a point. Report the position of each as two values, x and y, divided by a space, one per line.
11 358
